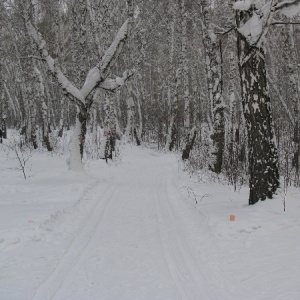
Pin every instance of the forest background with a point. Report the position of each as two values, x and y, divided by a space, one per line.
216 80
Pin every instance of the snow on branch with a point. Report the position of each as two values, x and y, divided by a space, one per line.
111 55
91 81
288 8
67 86
97 76
99 73
255 28
286 3
242 5
112 84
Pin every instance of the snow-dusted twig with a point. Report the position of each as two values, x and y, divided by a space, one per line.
285 4
112 84
283 103
20 153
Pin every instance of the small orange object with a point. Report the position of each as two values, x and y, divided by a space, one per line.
232 218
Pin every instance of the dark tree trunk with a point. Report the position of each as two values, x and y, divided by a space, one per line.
138 142
82 116
174 136
218 139
46 139
263 160
4 131
189 144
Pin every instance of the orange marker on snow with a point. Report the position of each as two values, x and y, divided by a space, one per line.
232 218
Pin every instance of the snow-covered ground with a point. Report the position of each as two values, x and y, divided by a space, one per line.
140 228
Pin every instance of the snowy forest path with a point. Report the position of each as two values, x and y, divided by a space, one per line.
132 245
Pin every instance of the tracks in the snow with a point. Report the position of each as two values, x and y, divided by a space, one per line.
51 285
151 209
183 269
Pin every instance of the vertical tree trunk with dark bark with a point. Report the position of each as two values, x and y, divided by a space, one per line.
263 160
3 101
82 117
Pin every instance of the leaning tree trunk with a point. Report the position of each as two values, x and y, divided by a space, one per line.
263 160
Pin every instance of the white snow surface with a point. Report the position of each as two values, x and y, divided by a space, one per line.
140 228
246 4
290 11
253 29
242 5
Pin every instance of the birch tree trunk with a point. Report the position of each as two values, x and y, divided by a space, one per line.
109 127
293 94
185 68
30 94
173 85
97 77
60 54
189 135
131 131
233 130
215 89
137 129
263 160
45 111
3 101
76 148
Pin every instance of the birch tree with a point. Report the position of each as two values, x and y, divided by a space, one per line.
293 92
215 88
189 135
2 88
253 19
172 84
97 76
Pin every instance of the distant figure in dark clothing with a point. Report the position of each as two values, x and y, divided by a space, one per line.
0 136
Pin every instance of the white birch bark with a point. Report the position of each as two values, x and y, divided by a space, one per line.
173 85
96 77
45 111
293 93
185 68
75 156
215 89
130 119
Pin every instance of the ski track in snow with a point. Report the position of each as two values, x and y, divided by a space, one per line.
127 200
189 280
141 229
50 286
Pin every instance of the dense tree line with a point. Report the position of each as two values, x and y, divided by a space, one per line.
216 80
